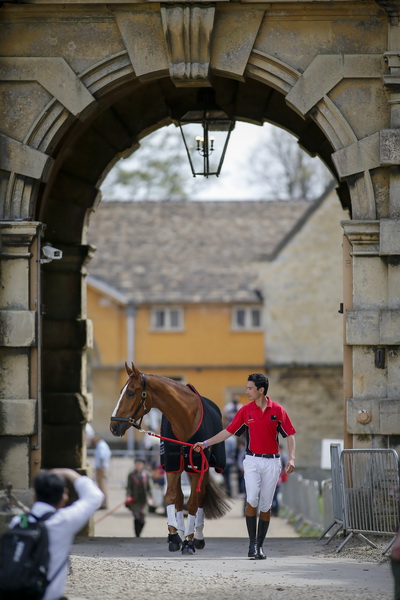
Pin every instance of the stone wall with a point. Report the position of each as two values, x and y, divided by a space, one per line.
312 396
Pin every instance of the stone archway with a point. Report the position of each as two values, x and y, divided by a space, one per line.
89 81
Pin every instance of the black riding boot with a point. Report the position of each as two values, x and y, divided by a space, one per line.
261 533
251 523
138 523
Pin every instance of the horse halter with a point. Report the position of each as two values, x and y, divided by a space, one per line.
142 404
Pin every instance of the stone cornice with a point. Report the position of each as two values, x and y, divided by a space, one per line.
363 236
392 8
16 238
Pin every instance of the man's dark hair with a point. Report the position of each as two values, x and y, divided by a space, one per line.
49 487
259 380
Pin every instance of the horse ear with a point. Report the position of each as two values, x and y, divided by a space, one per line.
135 370
128 369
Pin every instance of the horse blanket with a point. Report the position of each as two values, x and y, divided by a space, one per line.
175 457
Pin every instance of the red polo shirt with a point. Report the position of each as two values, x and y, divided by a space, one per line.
262 427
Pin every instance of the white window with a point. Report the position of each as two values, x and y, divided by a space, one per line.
246 317
167 319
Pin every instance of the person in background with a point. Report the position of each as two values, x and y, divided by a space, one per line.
230 409
263 420
230 452
51 495
90 433
138 490
102 455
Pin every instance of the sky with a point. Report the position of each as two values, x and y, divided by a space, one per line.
234 182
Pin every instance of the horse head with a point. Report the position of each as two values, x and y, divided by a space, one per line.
131 406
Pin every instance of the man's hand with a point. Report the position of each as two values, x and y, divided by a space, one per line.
198 446
289 466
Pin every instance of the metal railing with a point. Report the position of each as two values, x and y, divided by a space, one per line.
370 493
336 494
362 497
365 494
300 501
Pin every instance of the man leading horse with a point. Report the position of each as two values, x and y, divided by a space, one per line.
262 420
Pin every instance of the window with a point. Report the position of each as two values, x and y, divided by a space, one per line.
167 319
246 317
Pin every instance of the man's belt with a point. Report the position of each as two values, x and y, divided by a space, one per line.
249 453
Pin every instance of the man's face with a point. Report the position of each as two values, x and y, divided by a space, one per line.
252 392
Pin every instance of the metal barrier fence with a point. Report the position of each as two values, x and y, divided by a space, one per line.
300 501
336 493
370 493
361 498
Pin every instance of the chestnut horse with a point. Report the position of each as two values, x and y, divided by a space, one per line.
187 417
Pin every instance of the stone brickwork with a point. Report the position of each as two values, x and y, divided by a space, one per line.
312 397
82 83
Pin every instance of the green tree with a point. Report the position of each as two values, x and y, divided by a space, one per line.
158 170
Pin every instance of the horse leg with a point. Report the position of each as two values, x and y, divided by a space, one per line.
174 540
188 546
198 540
179 512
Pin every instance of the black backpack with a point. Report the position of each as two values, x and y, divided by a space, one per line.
24 560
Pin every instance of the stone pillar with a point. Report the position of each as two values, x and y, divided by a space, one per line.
67 335
347 349
373 332
19 372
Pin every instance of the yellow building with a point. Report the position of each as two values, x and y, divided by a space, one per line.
197 344
176 290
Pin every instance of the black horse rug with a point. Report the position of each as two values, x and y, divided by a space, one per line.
175 457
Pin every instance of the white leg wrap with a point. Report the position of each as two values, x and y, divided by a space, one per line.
181 524
190 525
199 517
171 516
199 524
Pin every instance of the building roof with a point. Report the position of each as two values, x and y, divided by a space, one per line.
188 251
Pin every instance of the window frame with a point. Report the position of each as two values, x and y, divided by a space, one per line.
247 308
168 310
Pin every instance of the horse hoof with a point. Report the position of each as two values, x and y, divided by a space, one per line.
174 542
199 544
188 547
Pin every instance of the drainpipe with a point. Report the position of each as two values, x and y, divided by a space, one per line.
130 334
130 312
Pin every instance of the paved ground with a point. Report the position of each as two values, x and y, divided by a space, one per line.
117 522
116 565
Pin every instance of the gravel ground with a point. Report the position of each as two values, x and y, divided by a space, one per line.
113 566
298 569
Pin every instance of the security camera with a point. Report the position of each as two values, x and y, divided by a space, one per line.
50 254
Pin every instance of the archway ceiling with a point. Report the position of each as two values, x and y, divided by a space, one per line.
123 116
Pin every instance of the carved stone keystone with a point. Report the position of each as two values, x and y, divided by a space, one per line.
187 30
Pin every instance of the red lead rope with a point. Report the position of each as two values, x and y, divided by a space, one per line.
204 462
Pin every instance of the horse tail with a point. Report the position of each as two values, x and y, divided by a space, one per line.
216 502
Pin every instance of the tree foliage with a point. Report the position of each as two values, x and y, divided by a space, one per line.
284 171
158 170
277 168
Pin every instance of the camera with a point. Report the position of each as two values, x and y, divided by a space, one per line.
50 254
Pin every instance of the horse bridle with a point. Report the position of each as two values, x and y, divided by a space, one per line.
142 404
